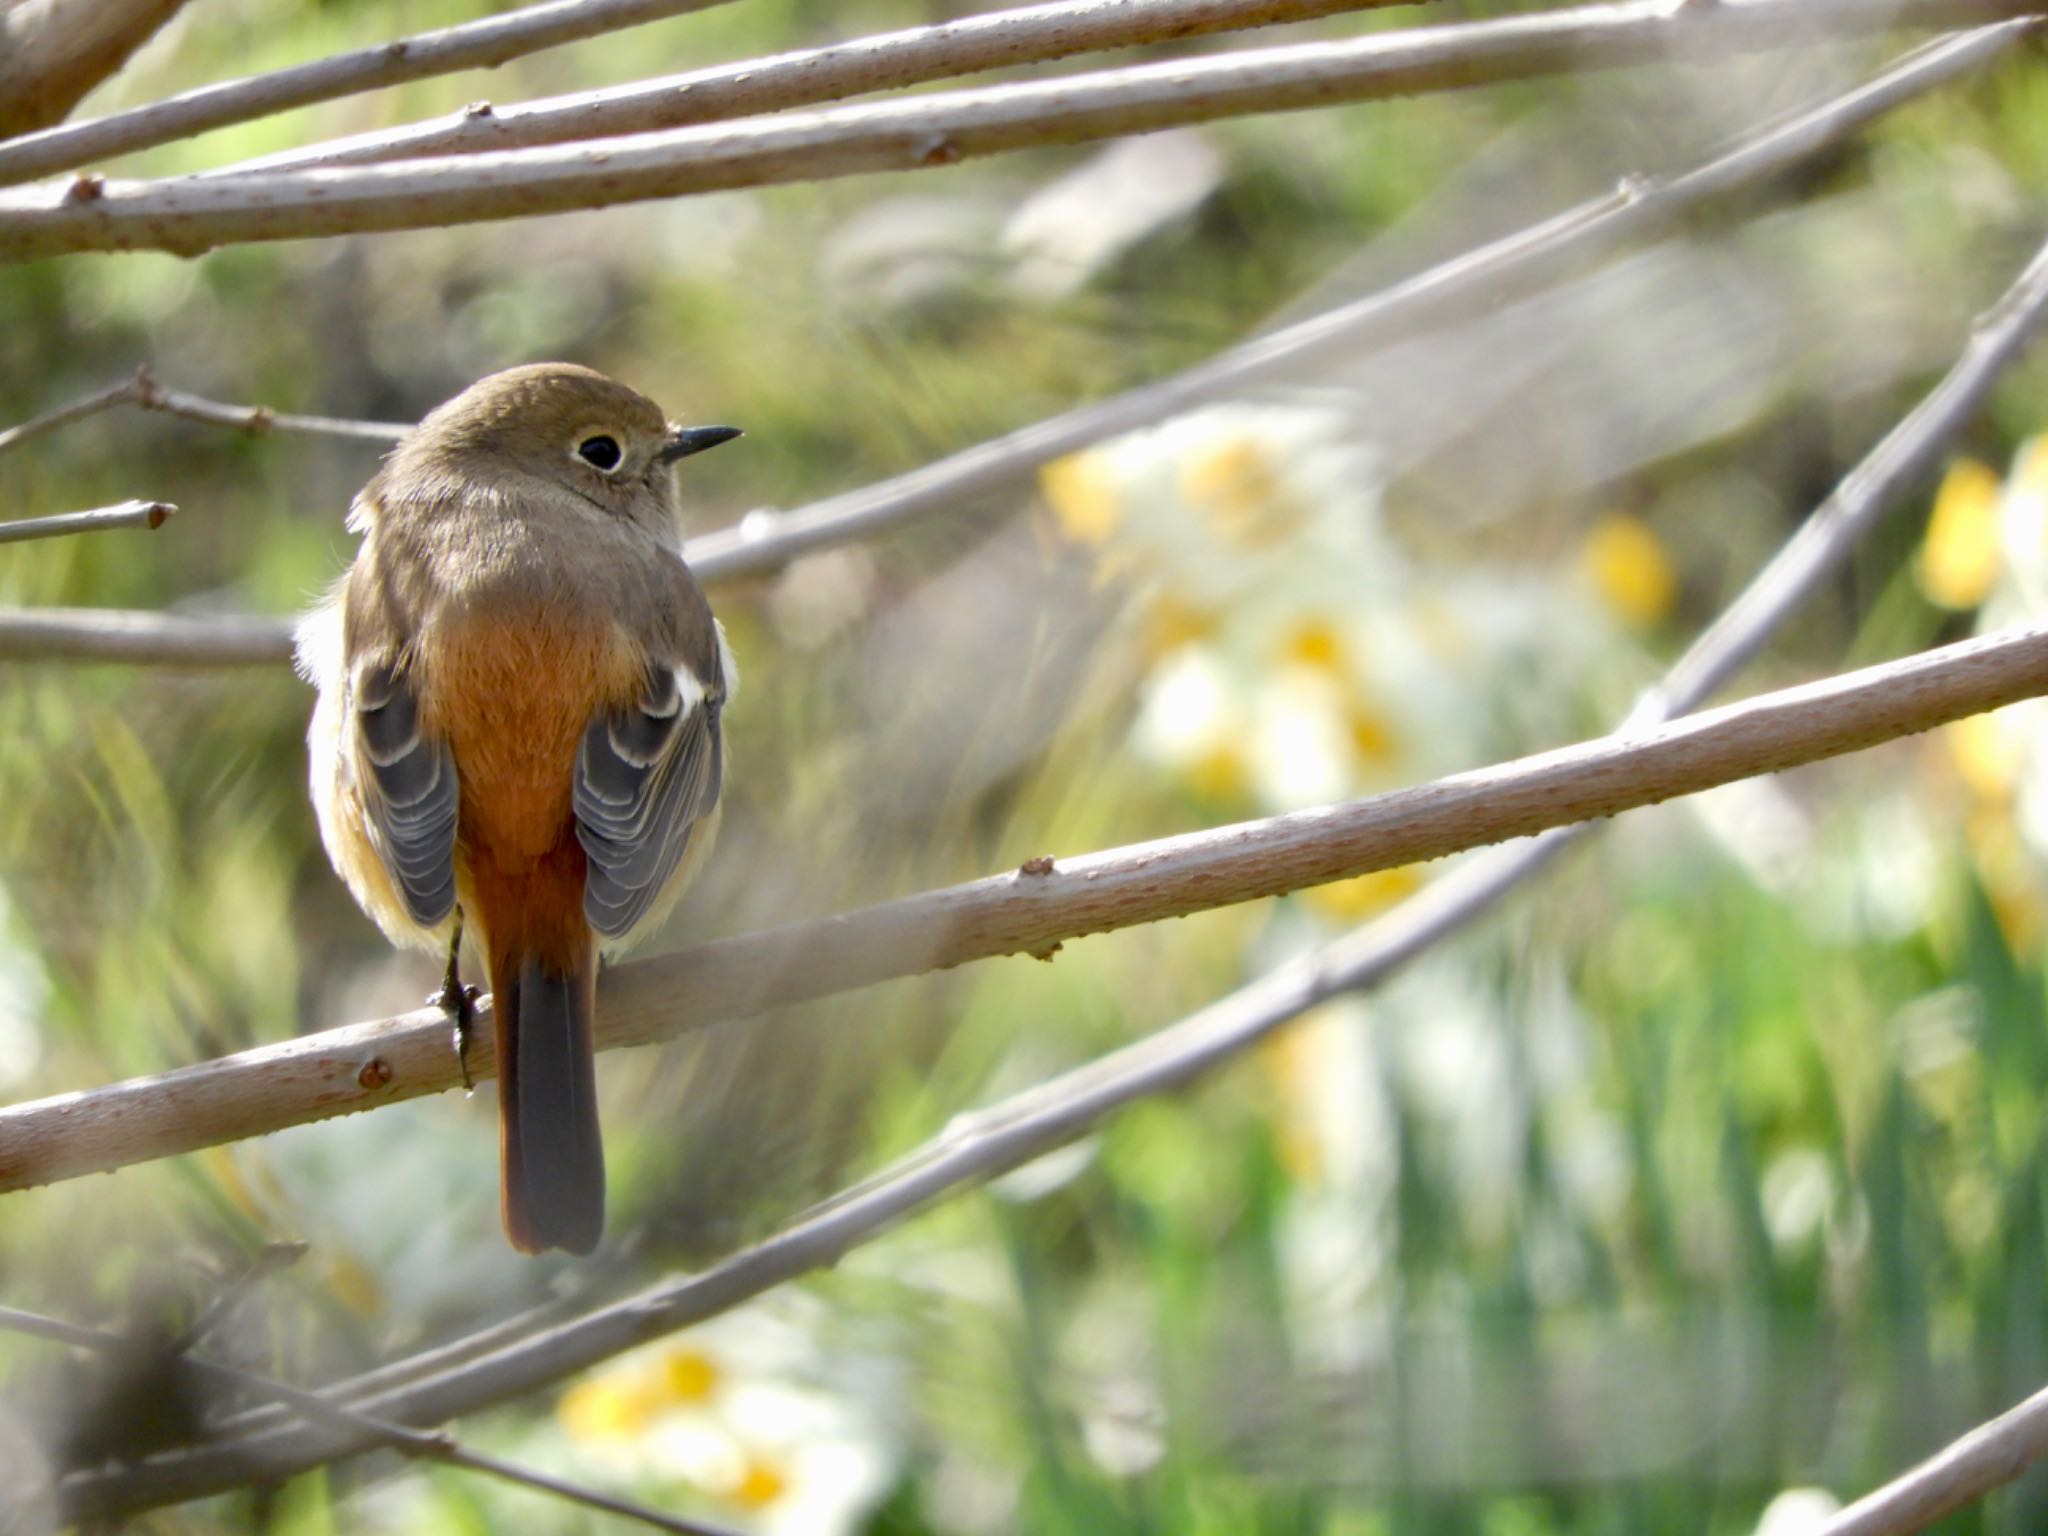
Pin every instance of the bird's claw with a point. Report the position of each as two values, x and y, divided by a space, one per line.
458 1001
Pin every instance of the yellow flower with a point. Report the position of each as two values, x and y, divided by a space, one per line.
1986 754
1315 643
760 1485
1358 898
1630 569
1235 483
1959 560
689 1375
614 1407
1083 497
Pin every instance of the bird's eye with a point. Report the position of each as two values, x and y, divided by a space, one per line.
600 451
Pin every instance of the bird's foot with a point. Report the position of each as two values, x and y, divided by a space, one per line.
457 999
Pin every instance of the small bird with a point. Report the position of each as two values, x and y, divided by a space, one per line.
518 731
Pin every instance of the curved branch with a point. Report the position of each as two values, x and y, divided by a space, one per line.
482 44
193 215
1034 909
52 52
804 77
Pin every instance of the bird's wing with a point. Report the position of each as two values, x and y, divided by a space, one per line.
645 776
409 792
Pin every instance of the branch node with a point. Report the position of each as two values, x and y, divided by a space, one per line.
1038 864
86 187
376 1073
479 109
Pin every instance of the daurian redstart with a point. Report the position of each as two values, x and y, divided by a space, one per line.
518 730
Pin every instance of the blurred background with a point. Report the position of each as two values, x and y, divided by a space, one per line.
1697 1186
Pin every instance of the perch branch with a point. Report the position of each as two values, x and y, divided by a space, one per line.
481 44
1028 35
1045 1117
360 1066
317 1408
193 215
1493 274
129 514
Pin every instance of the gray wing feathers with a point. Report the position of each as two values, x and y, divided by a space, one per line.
410 793
644 778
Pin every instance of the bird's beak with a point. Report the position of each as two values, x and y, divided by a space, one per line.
684 441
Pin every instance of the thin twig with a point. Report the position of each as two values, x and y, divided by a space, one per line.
804 77
481 44
1032 1123
318 1408
142 391
1982 1461
1036 909
193 215
1493 274
128 514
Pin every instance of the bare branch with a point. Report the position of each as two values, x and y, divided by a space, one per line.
1056 1112
54 51
317 1408
1029 35
155 639
129 514
1494 274
1031 911
142 391
193 215
482 44
1986 1459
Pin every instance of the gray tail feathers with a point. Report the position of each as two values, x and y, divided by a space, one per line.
547 1105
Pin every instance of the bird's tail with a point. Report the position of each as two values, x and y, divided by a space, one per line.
549 1143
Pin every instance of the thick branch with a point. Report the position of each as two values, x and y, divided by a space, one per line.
54 51
1493 274
129 514
1029 35
1030 912
193 215
481 44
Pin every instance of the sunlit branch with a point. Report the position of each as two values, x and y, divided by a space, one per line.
196 214
1984 1460
318 1408
137 637
1455 289
142 391
807 76
1042 1118
1034 909
128 514
481 44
